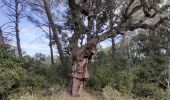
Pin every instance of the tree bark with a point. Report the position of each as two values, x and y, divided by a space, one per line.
79 75
168 78
113 49
17 28
81 56
52 24
51 46
2 42
81 59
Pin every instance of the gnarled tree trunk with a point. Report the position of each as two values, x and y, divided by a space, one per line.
81 58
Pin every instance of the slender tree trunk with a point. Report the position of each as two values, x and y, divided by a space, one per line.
113 47
51 46
81 59
2 42
168 83
52 24
168 72
17 28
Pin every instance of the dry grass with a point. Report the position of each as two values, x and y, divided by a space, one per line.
107 94
65 96
59 96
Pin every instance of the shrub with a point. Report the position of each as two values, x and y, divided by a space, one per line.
100 78
11 72
35 81
60 74
124 82
110 94
149 90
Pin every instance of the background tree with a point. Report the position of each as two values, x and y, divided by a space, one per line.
1 38
45 10
38 17
15 10
52 24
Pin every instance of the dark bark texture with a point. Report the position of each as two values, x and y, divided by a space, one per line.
2 42
17 28
81 60
51 46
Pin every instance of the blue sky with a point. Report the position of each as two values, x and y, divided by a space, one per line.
32 38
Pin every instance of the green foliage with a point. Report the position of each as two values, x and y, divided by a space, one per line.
110 94
100 79
101 73
16 73
139 70
30 64
124 82
35 81
11 72
107 70
60 74
149 90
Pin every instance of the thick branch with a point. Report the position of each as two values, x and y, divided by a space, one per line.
109 34
76 14
102 37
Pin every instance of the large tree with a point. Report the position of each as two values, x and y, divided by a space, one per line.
15 10
54 29
97 20
44 17
38 17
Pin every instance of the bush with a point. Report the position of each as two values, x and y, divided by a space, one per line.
149 90
109 70
124 82
35 81
110 94
11 72
60 74
100 78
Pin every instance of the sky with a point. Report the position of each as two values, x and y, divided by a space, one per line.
33 40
